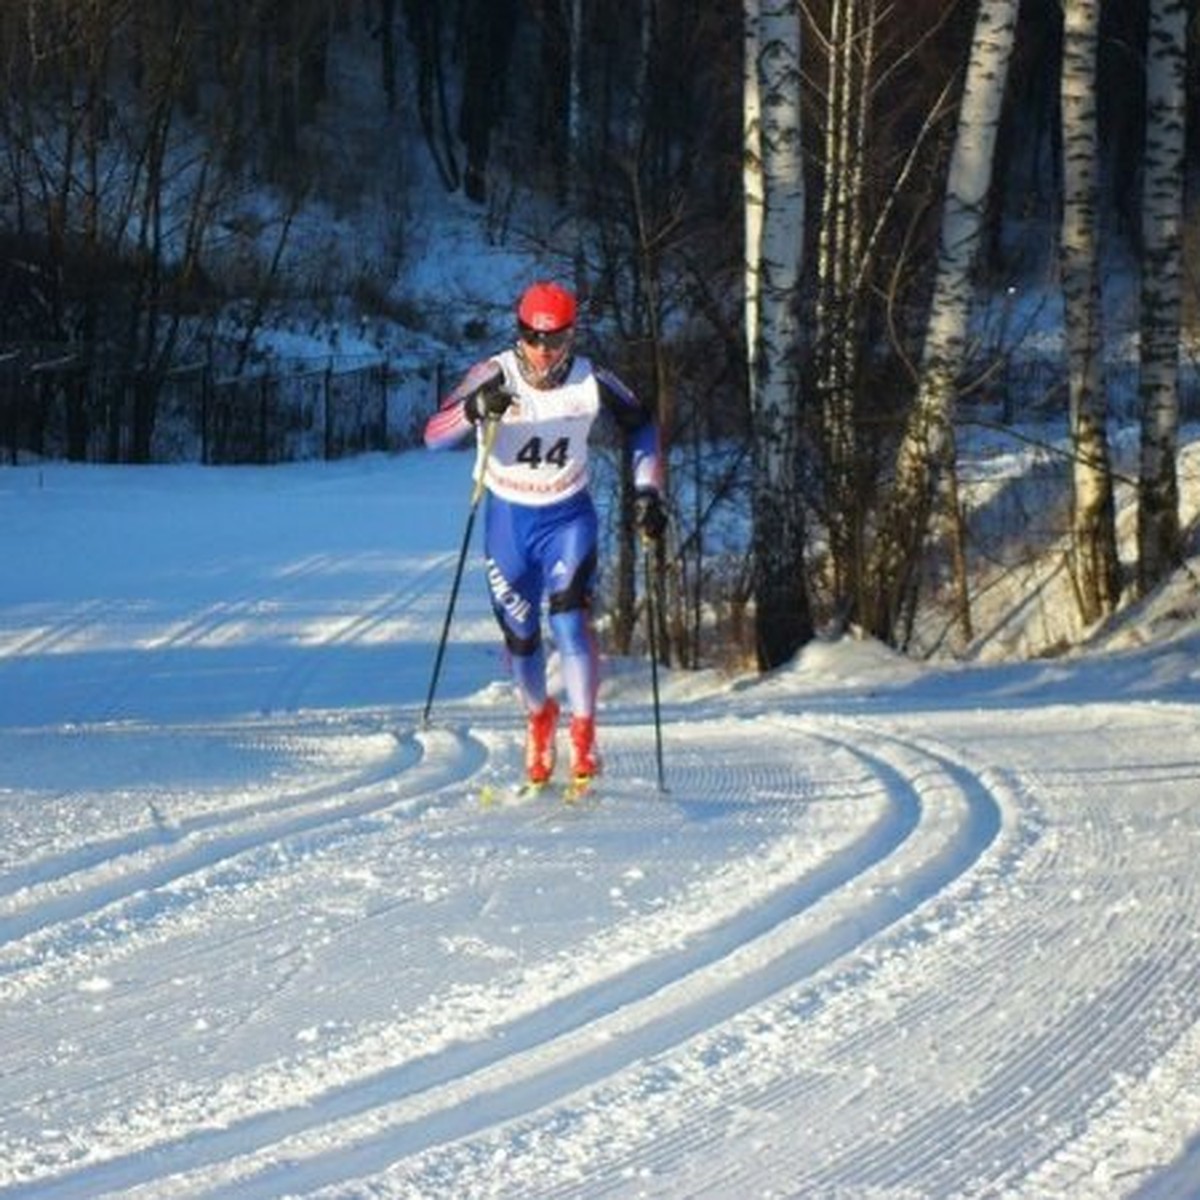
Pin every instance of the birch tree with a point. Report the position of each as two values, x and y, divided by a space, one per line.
927 446
774 252
1093 527
1159 538
839 256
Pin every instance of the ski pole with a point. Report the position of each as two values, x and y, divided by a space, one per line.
489 436
648 547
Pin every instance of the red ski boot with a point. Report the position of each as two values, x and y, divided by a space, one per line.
585 763
539 743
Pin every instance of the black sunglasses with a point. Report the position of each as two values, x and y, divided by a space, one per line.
552 341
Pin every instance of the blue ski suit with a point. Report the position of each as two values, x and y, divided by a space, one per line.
540 527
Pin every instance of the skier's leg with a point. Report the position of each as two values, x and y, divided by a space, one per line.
573 574
515 583
580 672
569 563
578 657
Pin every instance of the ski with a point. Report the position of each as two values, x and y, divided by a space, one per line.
573 792
493 795
578 789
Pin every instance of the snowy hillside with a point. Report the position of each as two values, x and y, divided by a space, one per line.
890 932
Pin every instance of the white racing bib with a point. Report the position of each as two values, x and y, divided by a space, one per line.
540 452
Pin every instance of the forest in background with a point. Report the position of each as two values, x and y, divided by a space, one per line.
159 161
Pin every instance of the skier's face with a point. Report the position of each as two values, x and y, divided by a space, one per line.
545 354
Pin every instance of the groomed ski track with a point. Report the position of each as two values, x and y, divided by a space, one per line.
913 937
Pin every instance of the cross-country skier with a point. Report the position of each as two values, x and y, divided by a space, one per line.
540 528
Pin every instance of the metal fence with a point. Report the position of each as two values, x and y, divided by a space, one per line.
54 404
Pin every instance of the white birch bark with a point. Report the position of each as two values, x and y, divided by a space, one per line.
1159 534
774 257
927 444
1093 527
752 178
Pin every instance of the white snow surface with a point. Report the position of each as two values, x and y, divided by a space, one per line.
890 931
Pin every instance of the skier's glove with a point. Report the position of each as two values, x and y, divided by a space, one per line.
489 403
649 515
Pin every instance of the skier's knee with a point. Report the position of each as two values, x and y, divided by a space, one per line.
520 645
577 595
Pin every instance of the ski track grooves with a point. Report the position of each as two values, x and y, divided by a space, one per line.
158 857
581 1039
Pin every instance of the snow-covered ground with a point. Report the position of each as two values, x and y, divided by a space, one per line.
889 932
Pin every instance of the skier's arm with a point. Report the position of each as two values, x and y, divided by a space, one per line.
637 423
451 423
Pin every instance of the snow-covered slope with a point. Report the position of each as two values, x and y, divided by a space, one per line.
890 932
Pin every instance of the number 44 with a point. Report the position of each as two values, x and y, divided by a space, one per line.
531 453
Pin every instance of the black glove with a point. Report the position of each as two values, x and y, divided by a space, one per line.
649 515
489 403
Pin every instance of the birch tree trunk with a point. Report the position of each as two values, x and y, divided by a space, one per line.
840 253
1093 526
1159 536
752 181
774 252
926 448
